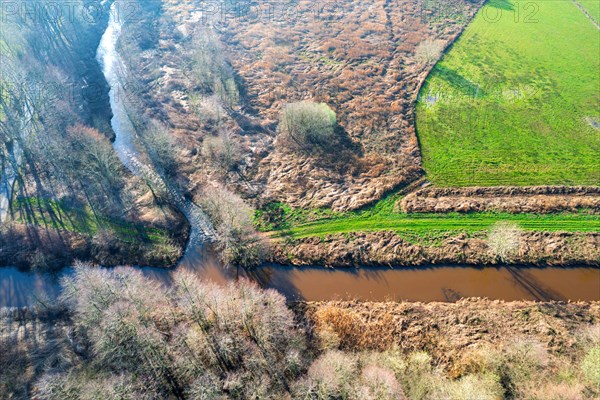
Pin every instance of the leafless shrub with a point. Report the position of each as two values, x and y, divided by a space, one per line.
379 383
237 239
208 109
332 375
327 338
504 240
429 51
557 391
56 386
418 378
523 359
222 151
478 360
588 336
206 387
75 386
480 387
392 359
107 247
343 375
591 366
167 251
161 148
39 260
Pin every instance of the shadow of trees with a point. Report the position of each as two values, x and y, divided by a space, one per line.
532 286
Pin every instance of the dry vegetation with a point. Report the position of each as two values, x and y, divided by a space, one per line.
361 61
505 244
233 67
540 199
490 349
504 240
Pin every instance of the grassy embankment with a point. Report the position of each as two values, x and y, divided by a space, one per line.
382 216
59 216
515 100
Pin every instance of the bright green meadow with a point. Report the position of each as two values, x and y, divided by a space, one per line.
516 100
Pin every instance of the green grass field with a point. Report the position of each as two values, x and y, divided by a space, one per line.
515 100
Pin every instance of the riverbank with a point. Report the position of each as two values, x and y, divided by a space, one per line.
445 329
48 249
388 248
383 325
448 330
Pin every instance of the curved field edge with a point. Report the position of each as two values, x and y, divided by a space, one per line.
514 101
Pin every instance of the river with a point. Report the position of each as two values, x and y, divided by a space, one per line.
435 283
440 283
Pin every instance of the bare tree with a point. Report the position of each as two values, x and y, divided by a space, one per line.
429 51
504 240
223 151
212 70
197 340
237 239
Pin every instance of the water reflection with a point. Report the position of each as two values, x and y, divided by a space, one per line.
442 283
18 288
533 286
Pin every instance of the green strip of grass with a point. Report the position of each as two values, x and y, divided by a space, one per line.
424 223
381 216
515 101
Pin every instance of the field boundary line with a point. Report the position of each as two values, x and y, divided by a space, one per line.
587 14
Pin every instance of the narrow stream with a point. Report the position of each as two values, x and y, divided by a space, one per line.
113 68
115 71
435 283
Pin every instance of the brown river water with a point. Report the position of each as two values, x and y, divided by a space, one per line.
435 283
